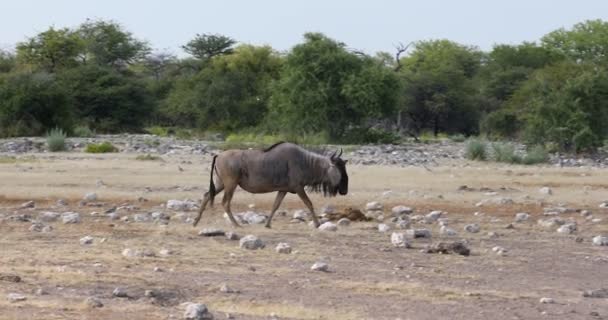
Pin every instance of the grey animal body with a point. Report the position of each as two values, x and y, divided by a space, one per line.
284 168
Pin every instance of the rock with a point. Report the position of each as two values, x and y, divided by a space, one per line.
457 247
499 250
179 205
165 252
224 288
328 226
232 236
510 226
251 242
402 223
374 206
48 216
600 241
283 248
495 201
301 215
90 197
70 217
93 302
28 205
142 217
120 293
604 205
136 253
567 228
551 222
399 240
432 216
61 203
16 297
253 217
320 266
418 233
86 240
443 222
521 216
344 222
598 293
546 191
472 228
383 227
447 231
547 300
401 210
40 227
197 311
160 216
328 209
10 278
211 232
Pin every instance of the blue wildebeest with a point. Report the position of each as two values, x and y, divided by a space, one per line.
282 167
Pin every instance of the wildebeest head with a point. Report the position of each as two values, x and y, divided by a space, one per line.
337 175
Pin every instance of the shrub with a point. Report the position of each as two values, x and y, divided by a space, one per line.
83 132
537 154
158 131
458 138
147 157
505 152
104 147
55 140
476 149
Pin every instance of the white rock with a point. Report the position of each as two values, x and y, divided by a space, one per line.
522 216
546 190
600 241
567 228
344 222
432 216
472 228
551 222
16 297
120 292
251 206
28 205
91 196
283 248
383 227
48 216
604 205
403 224
197 311
373 206
70 217
142 217
401 210
399 240
301 214
547 300
447 231
418 233
320 266
585 213
252 217
328 226
251 242
179 205
165 252
93 302
499 250
328 209
86 240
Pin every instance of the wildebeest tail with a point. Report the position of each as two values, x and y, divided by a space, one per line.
211 184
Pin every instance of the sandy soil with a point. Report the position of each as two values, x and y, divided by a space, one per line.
368 278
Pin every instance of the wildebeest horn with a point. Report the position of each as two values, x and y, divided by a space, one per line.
339 155
333 155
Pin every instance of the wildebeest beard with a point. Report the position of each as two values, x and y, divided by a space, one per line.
324 187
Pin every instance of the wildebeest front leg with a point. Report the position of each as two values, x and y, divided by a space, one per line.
228 193
275 206
308 204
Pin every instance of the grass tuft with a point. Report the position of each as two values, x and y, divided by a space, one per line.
104 147
55 140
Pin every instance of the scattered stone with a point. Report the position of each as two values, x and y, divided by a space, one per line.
432 216
472 228
93 302
551 223
600 241
399 240
252 217
457 247
61 202
418 233
165 252
492 235
567 228
374 206
328 209
137 253
447 231
232 236
120 292
251 242
142 217
90 197
28 205
150 293
10 278
344 222
211 232
546 191
383 227
301 215
41 292
197 311
495 201
48 216
179 205
403 223
320 266
40 227
522 216
510 226
70 217
401 210
16 297
499 250
283 248
604 205
547 300
86 240
328 226
598 293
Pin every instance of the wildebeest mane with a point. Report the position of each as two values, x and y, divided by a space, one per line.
273 146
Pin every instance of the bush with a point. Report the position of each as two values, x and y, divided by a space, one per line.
147 157
104 147
83 132
359 135
476 149
158 131
505 152
537 154
258 140
458 138
55 140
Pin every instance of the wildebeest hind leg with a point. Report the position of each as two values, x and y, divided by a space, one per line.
206 199
275 206
308 204
228 193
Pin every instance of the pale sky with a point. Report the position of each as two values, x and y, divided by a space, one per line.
370 26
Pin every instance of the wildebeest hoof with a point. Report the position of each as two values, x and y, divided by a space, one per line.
268 226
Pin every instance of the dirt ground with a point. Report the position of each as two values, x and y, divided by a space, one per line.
367 278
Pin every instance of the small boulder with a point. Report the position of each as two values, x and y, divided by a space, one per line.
600 241
547 300
86 240
598 293
567 228
93 302
211 232
197 311
418 233
551 223
120 292
232 236
472 228
90 197
16 297
252 217
344 222
546 191
251 242
401 210
70 217
457 247
301 215
447 231
283 248
383 227
48 216
399 240
328 226
432 216
373 206
320 266
28 205
522 216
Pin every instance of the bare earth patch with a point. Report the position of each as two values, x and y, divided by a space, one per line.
368 278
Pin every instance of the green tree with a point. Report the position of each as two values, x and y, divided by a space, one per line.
7 61
206 46
51 50
439 88
32 103
325 88
585 42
